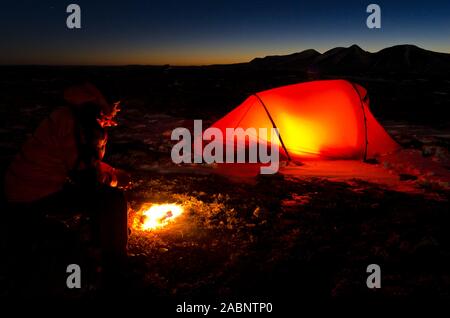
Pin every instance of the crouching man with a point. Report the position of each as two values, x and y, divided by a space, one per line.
60 170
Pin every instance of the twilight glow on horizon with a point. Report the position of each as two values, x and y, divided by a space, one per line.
209 32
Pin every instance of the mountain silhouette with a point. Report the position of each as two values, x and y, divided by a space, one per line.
354 60
296 60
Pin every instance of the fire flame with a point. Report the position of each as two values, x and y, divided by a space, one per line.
158 215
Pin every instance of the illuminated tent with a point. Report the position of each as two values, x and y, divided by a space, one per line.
327 119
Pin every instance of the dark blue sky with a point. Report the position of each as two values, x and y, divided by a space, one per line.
214 31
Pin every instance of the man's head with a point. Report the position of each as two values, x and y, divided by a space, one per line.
90 132
87 93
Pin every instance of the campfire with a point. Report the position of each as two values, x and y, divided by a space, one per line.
156 216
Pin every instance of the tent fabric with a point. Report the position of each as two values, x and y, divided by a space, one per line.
327 119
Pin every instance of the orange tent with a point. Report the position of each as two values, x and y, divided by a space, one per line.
327 119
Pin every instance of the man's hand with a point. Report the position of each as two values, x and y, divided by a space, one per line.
108 178
112 176
123 179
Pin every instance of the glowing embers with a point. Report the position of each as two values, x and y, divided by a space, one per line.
156 216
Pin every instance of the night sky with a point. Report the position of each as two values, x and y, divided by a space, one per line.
207 32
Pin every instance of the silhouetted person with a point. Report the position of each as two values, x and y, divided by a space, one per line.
59 170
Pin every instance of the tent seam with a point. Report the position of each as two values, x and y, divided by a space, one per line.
365 120
274 126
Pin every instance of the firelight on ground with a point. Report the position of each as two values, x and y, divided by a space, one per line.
157 216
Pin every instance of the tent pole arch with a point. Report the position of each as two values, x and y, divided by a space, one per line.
274 126
365 121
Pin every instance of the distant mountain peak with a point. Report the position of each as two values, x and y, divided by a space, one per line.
355 47
309 51
305 53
